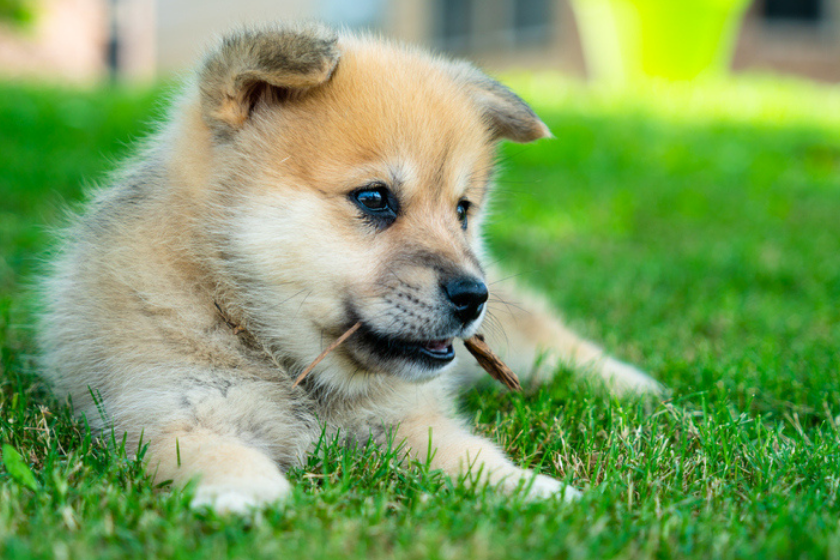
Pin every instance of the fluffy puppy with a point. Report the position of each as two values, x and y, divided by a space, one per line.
306 181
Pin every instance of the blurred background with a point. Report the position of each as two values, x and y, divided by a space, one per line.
86 40
685 216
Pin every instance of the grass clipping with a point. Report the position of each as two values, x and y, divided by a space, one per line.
476 345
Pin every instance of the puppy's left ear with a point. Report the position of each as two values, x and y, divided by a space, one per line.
506 114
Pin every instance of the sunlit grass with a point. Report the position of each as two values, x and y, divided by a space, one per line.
694 231
758 100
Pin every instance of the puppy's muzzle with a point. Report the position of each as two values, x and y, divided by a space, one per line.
467 295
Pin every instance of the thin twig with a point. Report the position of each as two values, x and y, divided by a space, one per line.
233 326
326 351
491 363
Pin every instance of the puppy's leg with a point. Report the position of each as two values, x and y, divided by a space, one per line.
522 328
457 452
232 476
231 435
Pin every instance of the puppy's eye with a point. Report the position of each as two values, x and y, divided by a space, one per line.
372 199
377 203
462 209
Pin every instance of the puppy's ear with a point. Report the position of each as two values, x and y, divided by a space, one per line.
269 63
506 114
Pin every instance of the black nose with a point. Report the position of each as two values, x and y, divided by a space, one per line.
468 295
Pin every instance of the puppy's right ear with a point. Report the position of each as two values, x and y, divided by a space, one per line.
270 63
507 115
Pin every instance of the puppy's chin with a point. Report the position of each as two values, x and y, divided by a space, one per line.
415 373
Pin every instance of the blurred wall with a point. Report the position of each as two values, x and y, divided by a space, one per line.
185 27
73 38
66 42
793 41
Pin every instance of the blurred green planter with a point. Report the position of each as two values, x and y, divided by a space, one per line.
624 40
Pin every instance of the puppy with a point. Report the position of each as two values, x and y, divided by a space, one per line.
306 181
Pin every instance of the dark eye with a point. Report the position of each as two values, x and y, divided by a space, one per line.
378 203
462 209
372 199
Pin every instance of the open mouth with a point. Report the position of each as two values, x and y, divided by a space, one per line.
433 354
439 349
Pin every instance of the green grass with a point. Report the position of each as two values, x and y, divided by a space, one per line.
695 231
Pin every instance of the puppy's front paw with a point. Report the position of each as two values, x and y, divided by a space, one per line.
239 496
538 486
626 379
544 487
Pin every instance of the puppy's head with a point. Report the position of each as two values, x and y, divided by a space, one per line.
349 179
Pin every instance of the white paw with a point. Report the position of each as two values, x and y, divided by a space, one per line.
239 496
625 379
544 487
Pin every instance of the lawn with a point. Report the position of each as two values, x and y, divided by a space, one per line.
694 231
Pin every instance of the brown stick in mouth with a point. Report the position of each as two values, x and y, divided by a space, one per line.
491 363
336 343
476 345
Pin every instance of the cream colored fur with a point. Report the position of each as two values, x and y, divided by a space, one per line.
224 258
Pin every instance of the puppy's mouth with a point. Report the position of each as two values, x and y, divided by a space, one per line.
433 354
439 348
